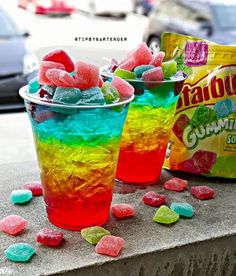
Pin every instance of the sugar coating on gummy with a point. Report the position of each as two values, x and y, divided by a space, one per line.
110 246
169 68
66 95
157 59
154 74
141 54
49 237
86 75
123 87
165 215
94 234
139 70
110 93
62 57
122 210
46 65
124 74
60 78
92 95
176 184
204 160
13 224
179 126
183 209
34 187
20 196
224 108
196 53
202 192
127 64
19 252
154 199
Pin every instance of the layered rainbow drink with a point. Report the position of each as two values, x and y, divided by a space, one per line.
150 118
77 146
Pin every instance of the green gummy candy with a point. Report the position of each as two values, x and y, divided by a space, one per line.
139 70
67 95
183 209
34 85
202 116
169 68
165 215
19 252
94 234
110 93
125 74
20 196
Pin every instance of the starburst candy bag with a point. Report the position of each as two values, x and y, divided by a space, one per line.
203 138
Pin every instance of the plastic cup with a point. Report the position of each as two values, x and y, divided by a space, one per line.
77 149
147 130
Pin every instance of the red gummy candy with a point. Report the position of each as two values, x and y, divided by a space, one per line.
100 83
180 125
60 78
154 199
202 192
176 184
49 237
122 210
204 160
110 245
86 75
157 59
13 224
62 57
46 65
188 166
141 55
113 65
34 187
127 64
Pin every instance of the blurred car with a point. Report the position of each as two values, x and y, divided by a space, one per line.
17 65
143 6
178 17
212 20
112 7
52 7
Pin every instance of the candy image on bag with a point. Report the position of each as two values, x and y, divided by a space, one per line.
203 138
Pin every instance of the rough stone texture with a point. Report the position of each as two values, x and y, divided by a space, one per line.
203 245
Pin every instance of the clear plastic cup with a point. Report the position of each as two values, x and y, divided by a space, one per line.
77 149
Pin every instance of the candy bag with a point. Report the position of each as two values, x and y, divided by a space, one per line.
203 137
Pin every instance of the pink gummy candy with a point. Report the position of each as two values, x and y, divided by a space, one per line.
45 65
155 74
110 245
34 187
13 224
86 75
202 192
176 184
122 210
123 87
127 64
62 57
157 59
49 237
154 199
142 54
60 78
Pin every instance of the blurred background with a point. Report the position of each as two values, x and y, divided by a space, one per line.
31 28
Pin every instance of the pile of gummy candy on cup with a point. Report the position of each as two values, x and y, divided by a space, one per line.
106 244
141 65
61 81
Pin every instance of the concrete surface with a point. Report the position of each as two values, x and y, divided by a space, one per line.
204 245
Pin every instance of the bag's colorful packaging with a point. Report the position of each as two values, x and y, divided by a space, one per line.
203 138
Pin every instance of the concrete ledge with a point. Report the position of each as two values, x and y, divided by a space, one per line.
204 245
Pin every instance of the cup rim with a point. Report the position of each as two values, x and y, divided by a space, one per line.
105 72
29 97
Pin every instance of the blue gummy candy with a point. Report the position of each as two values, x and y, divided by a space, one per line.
139 70
92 95
67 95
19 252
20 196
183 209
224 108
34 85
